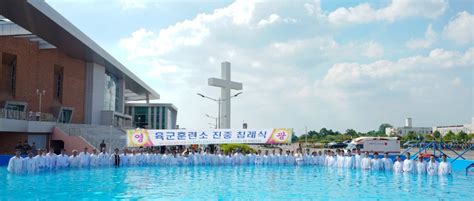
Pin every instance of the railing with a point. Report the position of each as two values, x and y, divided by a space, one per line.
30 116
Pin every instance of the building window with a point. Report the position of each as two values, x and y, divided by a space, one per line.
141 117
163 117
58 83
112 93
8 74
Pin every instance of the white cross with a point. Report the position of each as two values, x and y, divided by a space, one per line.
226 85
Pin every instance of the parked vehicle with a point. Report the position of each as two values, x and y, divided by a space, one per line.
337 145
390 145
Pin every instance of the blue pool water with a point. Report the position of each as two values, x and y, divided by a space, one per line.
233 183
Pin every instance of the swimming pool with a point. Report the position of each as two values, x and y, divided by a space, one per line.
232 182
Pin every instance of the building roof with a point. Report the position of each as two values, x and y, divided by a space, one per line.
151 105
46 24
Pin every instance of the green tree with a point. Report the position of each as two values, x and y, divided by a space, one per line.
382 128
428 137
410 136
351 132
449 137
436 135
462 137
294 138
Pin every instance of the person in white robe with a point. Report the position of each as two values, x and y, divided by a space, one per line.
321 158
365 162
357 159
51 158
408 164
266 158
40 160
340 158
398 165
94 159
331 160
420 165
84 159
274 158
62 160
349 160
258 158
376 163
124 158
444 167
165 159
104 158
299 160
432 166
307 157
133 158
387 162
30 164
15 164
281 157
74 160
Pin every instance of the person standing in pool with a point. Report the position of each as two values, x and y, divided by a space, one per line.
15 164
444 167
387 162
51 158
74 160
432 166
357 159
398 165
349 160
376 163
408 164
94 159
420 165
29 164
116 158
365 162
40 160
84 158
62 159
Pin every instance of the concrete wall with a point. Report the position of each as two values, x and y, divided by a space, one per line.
35 70
13 125
71 142
95 87
9 140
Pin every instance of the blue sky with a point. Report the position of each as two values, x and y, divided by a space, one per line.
334 64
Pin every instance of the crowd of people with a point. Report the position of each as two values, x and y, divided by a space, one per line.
49 161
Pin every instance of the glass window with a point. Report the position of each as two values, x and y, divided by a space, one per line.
141 117
58 83
111 96
8 71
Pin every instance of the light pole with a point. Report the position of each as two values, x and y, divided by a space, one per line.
219 100
40 93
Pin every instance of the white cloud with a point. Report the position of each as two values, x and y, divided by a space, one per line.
426 42
347 74
461 28
397 9
374 50
271 19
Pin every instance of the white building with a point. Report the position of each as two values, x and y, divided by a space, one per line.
467 128
402 131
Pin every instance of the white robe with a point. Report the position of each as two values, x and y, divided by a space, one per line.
421 167
365 163
387 164
432 168
94 161
444 168
124 160
340 161
40 162
258 159
62 161
349 162
104 159
15 165
376 164
74 161
299 159
51 160
281 159
30 165
357 161
84 159
266 160
408 166
290 160
331 162
398 167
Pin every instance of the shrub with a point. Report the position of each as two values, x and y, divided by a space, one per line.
228 148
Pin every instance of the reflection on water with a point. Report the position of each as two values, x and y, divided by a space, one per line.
224 183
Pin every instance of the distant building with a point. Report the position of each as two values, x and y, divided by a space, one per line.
402 131
152 115
467 128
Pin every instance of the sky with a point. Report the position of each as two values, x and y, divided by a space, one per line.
335 64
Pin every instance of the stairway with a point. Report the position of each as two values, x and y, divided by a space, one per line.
94 134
